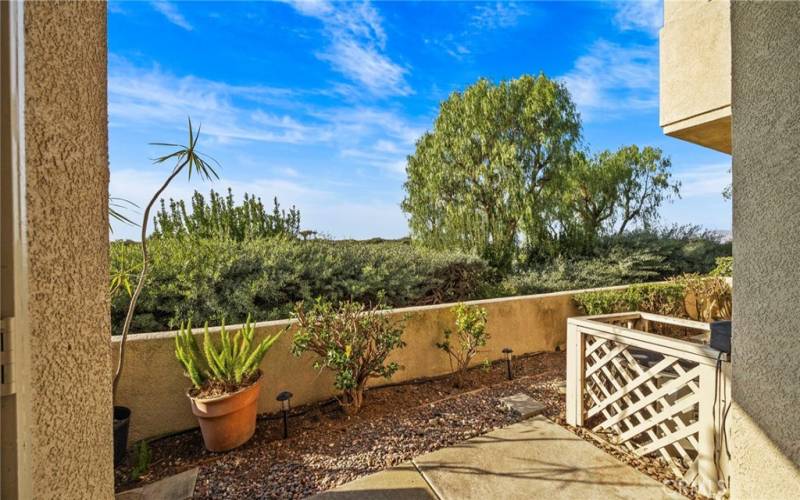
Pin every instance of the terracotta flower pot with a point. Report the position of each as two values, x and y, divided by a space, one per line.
227 421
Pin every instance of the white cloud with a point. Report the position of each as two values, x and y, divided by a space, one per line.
613 79
497 15
704 180
173 15
152 97
640 15
357 44
148 98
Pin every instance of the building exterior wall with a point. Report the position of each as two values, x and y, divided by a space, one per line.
67 383
766 218
695 72
154 387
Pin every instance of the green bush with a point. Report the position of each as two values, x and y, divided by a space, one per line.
351 339
470 336
680 249
724 267
221 217
658 298
195 279
703 298
616 268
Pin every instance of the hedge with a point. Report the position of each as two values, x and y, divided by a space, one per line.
213 279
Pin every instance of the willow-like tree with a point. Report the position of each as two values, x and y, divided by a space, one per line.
611 192
475 181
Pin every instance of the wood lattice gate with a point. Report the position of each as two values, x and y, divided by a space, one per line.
651 394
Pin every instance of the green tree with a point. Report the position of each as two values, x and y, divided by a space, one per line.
645 183
475 181
610 192
220 217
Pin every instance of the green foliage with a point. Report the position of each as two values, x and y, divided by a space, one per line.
704 298
220 217
608 193
659 298
116 208
470 336
615 268
724 267
143 459
351 339
501 176
680 249
187 158
474 181
235 362
126 263
711 297
213 278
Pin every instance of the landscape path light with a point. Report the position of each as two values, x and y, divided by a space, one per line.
285 399
507 351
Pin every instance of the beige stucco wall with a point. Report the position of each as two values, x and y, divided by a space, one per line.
66 385
695 72
153 385
766 217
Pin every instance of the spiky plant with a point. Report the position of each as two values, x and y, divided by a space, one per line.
234 362
187 158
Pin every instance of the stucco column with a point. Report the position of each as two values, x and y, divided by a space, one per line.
63 383
766 228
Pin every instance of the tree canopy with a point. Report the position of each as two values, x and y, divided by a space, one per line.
475 180
502 175
609 192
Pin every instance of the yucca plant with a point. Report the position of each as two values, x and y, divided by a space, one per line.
187 158
230 365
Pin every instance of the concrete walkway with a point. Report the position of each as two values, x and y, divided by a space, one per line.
532 459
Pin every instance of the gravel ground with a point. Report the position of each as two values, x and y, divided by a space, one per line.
325 448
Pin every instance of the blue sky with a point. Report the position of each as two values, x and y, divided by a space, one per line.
319 103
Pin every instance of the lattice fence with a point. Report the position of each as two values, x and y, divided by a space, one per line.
650 394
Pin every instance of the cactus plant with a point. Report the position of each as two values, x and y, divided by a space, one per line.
230 365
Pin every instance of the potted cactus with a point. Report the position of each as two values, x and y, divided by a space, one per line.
226 381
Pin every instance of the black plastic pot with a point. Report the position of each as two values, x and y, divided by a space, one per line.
122 421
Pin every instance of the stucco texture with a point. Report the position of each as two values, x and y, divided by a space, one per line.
695 72
154 387
766 217
67 250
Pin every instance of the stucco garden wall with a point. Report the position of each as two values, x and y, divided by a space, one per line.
153 385
766 217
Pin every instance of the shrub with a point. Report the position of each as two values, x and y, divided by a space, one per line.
233 365
220 217
470 337
724 267
711 297
617 268
196 279
351 339
658 298
703 298
680 249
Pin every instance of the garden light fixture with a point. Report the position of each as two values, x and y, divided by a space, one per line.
285 399
507 351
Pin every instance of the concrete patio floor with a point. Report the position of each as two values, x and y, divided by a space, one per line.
532 459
